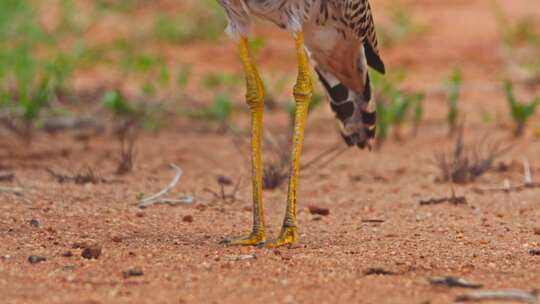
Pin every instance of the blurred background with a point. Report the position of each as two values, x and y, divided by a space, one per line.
136 67
99 97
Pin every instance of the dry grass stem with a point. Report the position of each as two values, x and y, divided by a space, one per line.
127 134
221 194
467 163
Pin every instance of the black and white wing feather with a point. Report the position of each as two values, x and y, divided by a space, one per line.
359 18
342 42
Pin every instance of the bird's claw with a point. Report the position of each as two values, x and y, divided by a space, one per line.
253 239
288 236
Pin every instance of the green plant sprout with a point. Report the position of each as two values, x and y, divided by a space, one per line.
517 32
221 79
183 76
400 107
28 79
521 112
394 105
453 93
418 113
142 114
219 111
117 104
520 41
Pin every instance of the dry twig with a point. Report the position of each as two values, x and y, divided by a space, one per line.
377 271
241 257
452 281
85 176
56 124
17 191
454 200
527 175
372 221
158 197
499 295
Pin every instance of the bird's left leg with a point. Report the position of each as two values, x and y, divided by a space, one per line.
302 95
255 101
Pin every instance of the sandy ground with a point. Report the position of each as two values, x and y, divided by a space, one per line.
375 218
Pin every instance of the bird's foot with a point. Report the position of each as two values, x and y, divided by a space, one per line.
253 239
288 236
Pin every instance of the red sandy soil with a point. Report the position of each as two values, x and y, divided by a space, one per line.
487 241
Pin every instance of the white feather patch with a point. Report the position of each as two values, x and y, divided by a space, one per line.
325 38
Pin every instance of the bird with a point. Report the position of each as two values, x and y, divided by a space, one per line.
336 38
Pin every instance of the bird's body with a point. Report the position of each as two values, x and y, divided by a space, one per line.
340 41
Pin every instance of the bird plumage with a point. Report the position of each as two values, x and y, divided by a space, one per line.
338 38
347 15
341 41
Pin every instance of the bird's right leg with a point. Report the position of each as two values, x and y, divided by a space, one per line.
255 101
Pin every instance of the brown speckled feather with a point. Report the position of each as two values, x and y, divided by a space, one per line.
341 40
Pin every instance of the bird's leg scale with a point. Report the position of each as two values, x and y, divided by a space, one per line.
255 101
302 95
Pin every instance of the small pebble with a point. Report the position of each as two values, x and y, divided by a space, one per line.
116 239
7 177
224 180
537 230
67 254
91 252
377 271
78 245
34 259
534 251
187 219
319 210
132 273
34 223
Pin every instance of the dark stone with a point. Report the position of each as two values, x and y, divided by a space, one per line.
91 252
34 259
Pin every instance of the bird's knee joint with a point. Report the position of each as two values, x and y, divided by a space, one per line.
255 104
255 98
303 91
302 95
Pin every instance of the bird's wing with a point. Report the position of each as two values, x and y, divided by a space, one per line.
342 41
357 15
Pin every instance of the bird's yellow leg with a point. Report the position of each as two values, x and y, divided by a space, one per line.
302 95
255 101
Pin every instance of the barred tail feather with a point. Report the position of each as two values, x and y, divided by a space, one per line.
355 111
